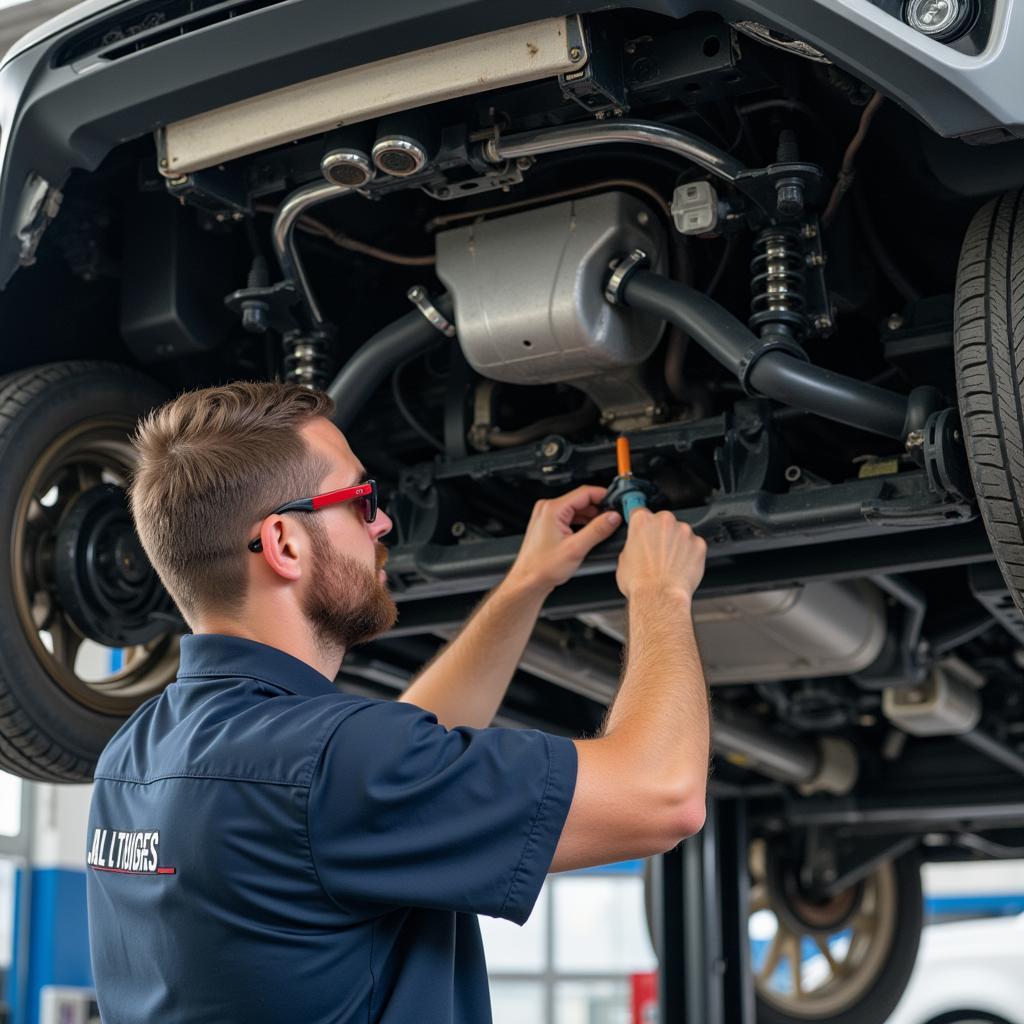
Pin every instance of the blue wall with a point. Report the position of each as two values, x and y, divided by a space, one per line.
58 943
58 947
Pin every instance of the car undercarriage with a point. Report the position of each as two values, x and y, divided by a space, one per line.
797 299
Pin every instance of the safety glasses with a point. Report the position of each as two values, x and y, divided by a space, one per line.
364 493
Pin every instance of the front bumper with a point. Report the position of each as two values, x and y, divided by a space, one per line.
54 118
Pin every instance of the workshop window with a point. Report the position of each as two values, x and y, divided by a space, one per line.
575 961
511 949
513 1002
600 926
592 1002
10 805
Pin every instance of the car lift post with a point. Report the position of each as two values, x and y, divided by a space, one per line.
700 920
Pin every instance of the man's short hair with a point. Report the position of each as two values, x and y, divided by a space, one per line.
211 463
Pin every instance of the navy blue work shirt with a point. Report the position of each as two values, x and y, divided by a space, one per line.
263 848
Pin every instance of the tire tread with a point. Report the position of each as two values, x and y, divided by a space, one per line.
25 749
989 355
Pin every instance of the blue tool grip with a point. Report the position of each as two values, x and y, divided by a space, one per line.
631 501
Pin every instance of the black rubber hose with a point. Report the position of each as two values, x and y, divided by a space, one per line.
376 358
794 382
712 327
776 374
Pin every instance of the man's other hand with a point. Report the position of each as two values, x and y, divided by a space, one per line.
552 551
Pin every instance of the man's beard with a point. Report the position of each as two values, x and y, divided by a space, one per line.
346 603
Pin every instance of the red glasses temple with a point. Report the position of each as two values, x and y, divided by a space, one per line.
366 491
319 501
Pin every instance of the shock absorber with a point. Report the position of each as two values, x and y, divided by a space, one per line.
779 299
779 285
307 359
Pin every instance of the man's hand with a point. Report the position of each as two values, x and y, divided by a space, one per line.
466 681
551 551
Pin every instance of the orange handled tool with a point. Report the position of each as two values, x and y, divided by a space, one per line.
626 492
622 454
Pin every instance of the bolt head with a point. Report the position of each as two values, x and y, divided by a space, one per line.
551 449
822 323
789 198
575 53
895 322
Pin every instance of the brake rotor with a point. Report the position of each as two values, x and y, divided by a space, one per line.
105 583
803 911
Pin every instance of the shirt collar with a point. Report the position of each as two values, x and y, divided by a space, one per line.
214 654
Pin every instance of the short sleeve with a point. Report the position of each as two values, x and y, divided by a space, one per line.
405 812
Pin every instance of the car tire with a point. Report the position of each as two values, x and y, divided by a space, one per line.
968 1017
989 346
883 989
72 420
885 982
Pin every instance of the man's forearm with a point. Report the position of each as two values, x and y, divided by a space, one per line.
662 709
465 682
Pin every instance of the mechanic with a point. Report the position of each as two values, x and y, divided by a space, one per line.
263 847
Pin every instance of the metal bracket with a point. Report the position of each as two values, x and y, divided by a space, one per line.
267 306
853 859
418 296
749 459
221 192
818 311
504 177
597 84
903 662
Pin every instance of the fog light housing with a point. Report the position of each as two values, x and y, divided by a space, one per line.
942 20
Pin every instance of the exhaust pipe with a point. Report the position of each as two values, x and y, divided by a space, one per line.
828 766
768 366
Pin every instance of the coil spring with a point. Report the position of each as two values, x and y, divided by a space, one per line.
307 360
778 282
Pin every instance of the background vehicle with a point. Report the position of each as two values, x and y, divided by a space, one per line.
966 972
821 202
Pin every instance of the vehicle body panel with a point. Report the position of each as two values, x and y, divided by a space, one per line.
54 119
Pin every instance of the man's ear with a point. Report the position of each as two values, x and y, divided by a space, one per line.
282 544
